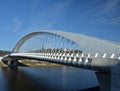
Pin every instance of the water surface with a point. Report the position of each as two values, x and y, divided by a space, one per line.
46 79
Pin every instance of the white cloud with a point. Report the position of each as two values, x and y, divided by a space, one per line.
17 23
110 6
50 15
107 13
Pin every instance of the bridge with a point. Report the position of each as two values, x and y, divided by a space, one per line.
71 49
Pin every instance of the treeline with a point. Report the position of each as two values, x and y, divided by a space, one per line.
58 50
3 53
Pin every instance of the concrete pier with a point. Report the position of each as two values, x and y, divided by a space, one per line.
115 78
12 63
104 80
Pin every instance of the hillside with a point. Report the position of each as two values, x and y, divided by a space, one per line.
2 52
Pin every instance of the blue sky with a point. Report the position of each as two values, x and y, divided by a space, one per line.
98 18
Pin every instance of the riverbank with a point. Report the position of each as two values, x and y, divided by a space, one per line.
35 63
2 64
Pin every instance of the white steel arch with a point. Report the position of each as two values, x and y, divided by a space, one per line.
89 44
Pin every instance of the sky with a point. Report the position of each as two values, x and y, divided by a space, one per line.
97 18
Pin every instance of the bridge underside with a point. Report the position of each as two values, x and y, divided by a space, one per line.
97 64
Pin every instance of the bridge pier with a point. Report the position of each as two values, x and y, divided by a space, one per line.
12 63
115 78
104 80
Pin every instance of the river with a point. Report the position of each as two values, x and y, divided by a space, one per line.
46 79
